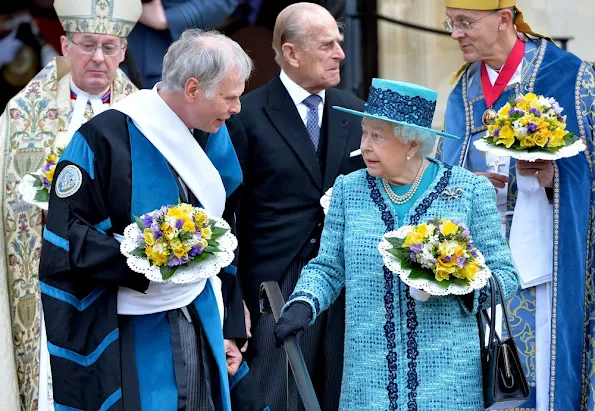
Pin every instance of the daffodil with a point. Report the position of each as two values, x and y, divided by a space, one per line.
149 236
540 139
506 136
413 237
189 226
469 271
448 227
503 112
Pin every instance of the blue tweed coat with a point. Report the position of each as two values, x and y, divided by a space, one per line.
401 353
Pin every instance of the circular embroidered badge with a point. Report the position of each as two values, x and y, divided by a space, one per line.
69 181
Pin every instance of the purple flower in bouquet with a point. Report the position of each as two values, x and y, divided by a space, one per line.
147 220
466 233
46 167
176 261
461 262
156 230
194 251
514 111
179 224
46 183
416 248
518 98
555 106
532 128
535 111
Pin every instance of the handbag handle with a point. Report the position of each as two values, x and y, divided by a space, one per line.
495 289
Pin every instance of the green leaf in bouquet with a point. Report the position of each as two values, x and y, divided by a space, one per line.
460 281
139 223
218 232
184 235
394 252
490 140
570 139
38 182
396 241
42 195
425 274
212 248
405 263
139 252
401 254
167 272
198 259
421 274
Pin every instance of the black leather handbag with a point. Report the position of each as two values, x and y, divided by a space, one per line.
504 382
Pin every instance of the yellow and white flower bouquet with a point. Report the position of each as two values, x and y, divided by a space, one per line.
530 127
178 243
437 256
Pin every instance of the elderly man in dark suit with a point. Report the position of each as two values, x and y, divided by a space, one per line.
292 146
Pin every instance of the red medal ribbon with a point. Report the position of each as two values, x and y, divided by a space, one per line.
105 98
492 93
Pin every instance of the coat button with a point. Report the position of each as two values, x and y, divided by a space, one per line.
313 241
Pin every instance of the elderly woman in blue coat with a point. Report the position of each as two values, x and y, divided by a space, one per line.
401 353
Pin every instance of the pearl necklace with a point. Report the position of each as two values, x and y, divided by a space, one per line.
402 199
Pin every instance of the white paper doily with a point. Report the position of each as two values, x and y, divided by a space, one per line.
569 151
394 265
325 200
184 274
28 192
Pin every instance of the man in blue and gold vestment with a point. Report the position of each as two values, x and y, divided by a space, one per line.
547 208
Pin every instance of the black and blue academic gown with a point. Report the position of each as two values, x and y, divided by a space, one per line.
101 360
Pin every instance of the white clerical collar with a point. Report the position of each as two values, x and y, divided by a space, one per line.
79 92
516 77
79 105
296 92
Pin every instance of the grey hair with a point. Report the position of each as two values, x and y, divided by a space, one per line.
208 56
426 139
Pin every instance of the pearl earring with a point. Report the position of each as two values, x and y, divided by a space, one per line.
408 157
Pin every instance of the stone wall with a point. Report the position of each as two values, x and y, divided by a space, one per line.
430 59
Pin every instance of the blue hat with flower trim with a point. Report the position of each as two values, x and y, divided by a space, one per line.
402 103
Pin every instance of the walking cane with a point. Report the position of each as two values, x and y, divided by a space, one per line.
271 301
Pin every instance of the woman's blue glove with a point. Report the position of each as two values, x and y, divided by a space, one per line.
294 320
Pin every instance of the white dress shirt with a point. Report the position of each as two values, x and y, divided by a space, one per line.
298 95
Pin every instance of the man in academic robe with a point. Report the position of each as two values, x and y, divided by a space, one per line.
116 340
546 206
66 93
292 146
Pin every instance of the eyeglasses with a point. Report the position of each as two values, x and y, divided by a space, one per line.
90 48
463 26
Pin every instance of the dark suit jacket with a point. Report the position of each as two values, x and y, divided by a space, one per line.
280 216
